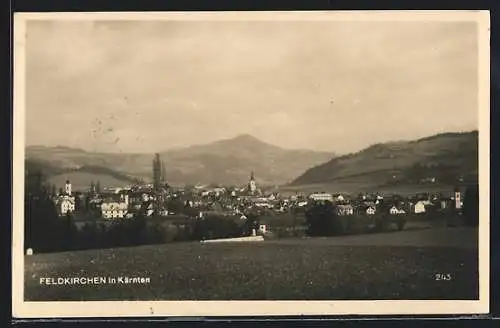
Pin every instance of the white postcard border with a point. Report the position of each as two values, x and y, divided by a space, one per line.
22 309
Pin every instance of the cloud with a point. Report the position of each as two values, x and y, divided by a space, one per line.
294 84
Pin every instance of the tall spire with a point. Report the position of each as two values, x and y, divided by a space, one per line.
252 186
68 188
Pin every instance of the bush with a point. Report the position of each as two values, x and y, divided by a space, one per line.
322 221
214 227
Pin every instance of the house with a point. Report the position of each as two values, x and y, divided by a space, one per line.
370 210
263 204
218 191
419 207
339 198
302 204
344 210
115 207
148 208
65 204
394 210
321 197
113 210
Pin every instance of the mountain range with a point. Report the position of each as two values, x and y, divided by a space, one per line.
446 159
228 161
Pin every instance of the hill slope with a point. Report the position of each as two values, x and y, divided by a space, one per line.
449 158
80 177
226 161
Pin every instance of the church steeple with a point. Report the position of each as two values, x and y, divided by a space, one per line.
252 186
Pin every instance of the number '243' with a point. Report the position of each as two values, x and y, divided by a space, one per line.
442 276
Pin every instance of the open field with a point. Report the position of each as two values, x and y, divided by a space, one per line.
398 265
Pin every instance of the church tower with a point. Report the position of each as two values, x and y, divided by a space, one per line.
68 188
252 186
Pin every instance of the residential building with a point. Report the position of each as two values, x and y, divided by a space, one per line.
344 210
302 204
419 207
339 198
114 208
321 197
370 210
395 210
65 204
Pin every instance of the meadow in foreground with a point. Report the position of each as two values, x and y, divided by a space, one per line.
301 269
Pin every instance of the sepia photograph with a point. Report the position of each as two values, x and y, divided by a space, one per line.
251 163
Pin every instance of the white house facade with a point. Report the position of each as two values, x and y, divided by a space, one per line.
395 211
344 210
114 210
370 210
321 197
66 204
419 207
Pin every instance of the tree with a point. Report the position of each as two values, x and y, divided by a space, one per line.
471 206
323 221
215 227
175 205
45 231
78 202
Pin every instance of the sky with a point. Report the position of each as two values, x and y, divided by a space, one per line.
340 86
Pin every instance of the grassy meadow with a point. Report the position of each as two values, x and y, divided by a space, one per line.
395 265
